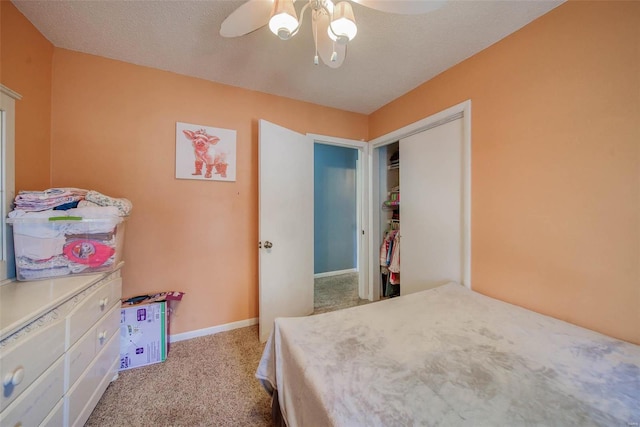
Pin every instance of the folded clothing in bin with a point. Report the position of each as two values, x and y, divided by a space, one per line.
67 198
76 241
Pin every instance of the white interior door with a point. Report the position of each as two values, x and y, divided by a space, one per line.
285 224
431 215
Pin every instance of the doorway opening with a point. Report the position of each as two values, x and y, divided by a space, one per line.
338 224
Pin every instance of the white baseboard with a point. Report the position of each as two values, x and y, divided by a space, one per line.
212 330
334 273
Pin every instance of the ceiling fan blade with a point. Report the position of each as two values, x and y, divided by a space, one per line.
326 46
402 7
247 18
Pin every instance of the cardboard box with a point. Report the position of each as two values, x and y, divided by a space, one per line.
143 335
144 329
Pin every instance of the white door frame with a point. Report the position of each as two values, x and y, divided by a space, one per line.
8 100
374 232
362 215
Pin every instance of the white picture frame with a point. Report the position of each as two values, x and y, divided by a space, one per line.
205 153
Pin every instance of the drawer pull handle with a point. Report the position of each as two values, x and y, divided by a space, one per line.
14 378
103 303
102 336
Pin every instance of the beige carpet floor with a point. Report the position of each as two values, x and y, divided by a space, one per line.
207 381
336 292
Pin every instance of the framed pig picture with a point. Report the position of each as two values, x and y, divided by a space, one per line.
205 153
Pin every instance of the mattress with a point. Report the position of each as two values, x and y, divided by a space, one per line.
448 356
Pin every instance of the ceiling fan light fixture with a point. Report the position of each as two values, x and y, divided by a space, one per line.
343 27
333 25
284 21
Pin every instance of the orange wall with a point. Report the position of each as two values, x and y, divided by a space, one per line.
556 167
26 68
555 163
114 130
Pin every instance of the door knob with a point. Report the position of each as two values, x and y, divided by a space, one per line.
268 244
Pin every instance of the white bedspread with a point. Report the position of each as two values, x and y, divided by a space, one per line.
448 356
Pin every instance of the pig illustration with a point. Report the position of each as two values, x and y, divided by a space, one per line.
204 154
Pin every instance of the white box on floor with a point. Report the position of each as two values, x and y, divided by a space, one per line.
143 334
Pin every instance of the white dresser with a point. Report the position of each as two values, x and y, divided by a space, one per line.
59 348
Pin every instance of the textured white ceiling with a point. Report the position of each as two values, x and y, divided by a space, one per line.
391 54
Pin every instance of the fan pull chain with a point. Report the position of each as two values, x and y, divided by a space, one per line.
315 18
334 55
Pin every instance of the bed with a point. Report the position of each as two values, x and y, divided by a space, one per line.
447 356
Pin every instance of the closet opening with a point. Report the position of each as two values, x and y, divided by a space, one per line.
429 163
389 195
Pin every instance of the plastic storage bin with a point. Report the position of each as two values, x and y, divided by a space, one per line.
60 246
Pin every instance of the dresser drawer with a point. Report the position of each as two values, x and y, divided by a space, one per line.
55 417
95 398
25 360
82 353
35 403
99 372
92 308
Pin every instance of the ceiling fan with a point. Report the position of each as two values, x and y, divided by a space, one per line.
333 25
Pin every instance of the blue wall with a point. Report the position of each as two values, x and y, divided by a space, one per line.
334 208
